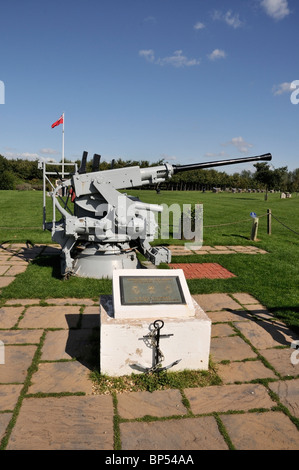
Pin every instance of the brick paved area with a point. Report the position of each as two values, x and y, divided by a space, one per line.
202 270
48 401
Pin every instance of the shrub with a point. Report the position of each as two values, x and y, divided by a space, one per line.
7 180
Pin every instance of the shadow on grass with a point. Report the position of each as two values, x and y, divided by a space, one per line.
50 261
289 315
237 235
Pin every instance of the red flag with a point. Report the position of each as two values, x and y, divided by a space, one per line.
60 121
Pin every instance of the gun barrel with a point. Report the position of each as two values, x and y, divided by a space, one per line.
234 161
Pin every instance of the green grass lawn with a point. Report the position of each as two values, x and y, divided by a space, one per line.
273 278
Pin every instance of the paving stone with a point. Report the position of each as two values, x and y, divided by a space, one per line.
245 298
22 302
241 248
280 359
179 434
57 377
264 335
244 371
288 392
91 317
215 302
9 395
231 348
71 301
9 316
15 270
17 361
159 403
51 317
92 310
222 329
66 344
65 423
4 421
6 280
15 261
222 398
259 311
255 308
229 315
179 249
20 336
262 431
3 269
220 249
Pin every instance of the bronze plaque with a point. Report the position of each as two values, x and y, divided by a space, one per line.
147 290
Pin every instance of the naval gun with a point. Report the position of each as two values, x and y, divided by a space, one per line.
106 227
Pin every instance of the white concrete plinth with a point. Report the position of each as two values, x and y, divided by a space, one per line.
122 345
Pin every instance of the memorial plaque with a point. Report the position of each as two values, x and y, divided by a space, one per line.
151 290
151 293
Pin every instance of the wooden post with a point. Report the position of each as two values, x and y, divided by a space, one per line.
254 228
269 221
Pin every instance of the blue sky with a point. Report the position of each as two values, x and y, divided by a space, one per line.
183 80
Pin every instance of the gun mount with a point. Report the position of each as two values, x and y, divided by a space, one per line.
105 227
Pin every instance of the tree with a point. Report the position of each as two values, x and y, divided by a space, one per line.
263 175
7 180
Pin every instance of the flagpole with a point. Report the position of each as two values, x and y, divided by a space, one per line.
63 146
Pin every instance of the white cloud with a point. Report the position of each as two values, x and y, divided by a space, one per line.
285 87
240 144
217 54
169 158
49 152
176 60
199 25
26 156
277 9
229 18
148 54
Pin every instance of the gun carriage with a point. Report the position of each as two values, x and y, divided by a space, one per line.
106 227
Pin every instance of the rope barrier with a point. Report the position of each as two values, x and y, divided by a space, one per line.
285 225
205 226
232 223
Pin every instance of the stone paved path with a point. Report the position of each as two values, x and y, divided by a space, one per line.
47 400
